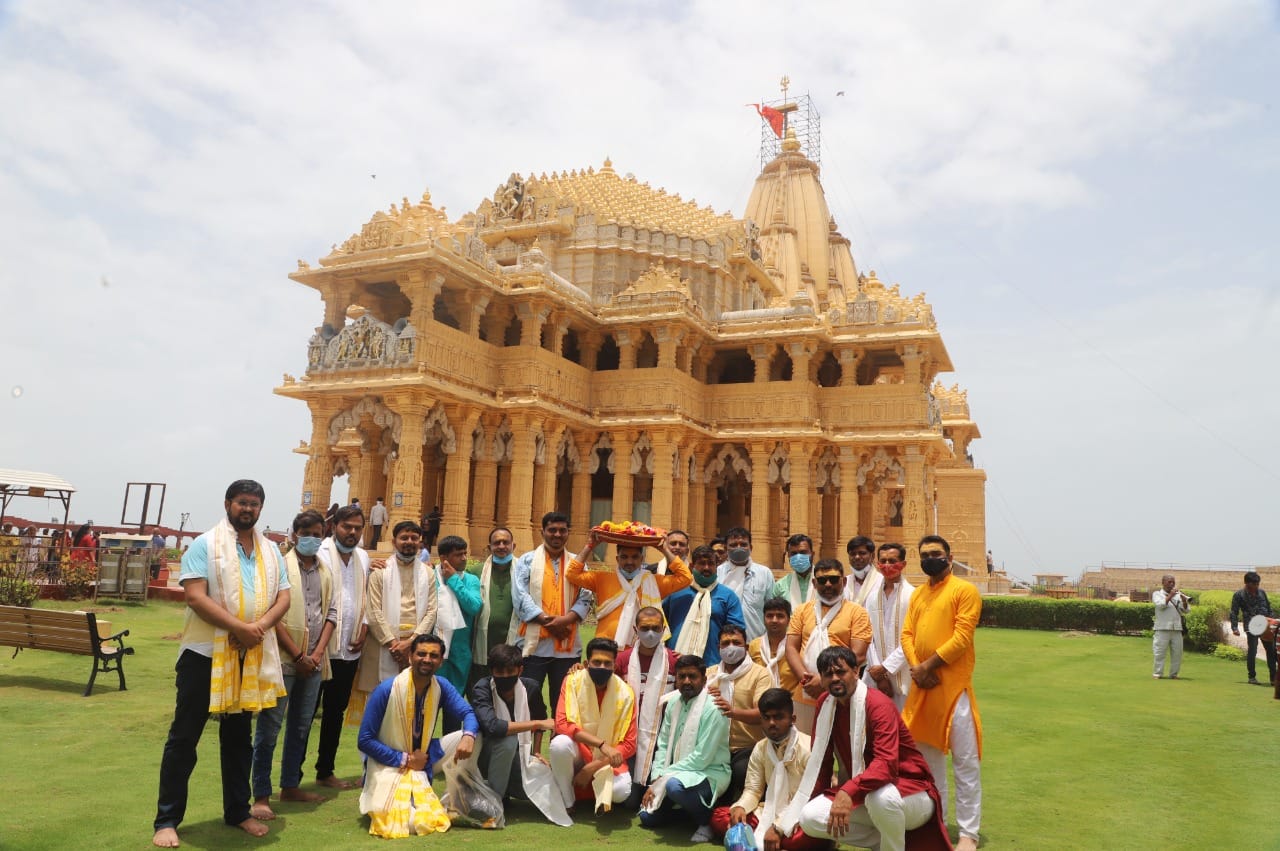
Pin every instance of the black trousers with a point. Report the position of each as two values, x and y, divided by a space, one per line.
551 668
737 776
333 710
1252 655
190 714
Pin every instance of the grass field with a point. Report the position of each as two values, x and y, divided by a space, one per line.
1083 749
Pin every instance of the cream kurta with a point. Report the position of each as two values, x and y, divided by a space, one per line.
746 694
383 632
941 619
759 771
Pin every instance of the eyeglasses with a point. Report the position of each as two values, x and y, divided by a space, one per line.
827 580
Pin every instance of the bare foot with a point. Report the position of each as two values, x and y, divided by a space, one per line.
261 810
166 837
253 827
967 843
296 794
333 781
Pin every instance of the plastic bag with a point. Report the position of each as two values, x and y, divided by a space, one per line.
740 837
468 799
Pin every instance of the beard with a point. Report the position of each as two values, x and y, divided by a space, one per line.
242 522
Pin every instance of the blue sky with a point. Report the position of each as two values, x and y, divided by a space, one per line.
1086 193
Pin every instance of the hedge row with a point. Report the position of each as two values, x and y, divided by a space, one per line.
1204 622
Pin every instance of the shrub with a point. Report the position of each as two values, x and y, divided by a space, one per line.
1204 626
78 577
15 588
1085 615
1229 652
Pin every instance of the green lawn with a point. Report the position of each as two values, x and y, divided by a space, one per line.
1083 749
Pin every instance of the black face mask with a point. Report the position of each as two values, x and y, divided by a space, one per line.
933 566
599 676
505 684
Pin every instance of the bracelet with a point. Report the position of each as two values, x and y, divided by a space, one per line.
298 658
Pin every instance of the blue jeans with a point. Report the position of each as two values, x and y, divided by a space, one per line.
688 799
295 710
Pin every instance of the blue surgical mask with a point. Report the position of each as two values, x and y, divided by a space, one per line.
801 562
342 548
630 574
308 545
501 560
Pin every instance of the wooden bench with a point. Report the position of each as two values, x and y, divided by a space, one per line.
64 632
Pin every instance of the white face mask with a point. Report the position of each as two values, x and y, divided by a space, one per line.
732 654
861 573
650 638
829 601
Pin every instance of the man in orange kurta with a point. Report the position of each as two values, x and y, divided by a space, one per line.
941 710
621 593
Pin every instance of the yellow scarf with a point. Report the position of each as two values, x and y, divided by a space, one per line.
295 620
400 800
252 682
607 719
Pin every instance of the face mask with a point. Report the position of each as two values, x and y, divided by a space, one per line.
800 562
650 638
630 574
829 601
505 684
342 548
891 572
739 556
599 676
732 654
933 566
502 560
308 545
403 559
861 572
704 581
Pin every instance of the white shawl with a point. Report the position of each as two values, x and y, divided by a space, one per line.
777 789
697 623
795 588
817 755
772 662
633 595
448 613
359 562
424 591
677 747
535 775
886 632
648 706
724 680
818 639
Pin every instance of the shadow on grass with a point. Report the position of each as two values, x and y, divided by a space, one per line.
213 833
45 684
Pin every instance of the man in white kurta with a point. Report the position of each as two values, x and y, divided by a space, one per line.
1171 606
886 598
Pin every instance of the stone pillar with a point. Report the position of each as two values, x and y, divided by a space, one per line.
626 350
580 514
589 345
848 358
762 539
680 500
698 362
663 510
531 318
668 340
847 522
815 520
800 489
801 354
317 478
915 524
622 483
558 328
709 512
421 288
337 298
911 362
544 487
762 354
484 491
457 472
495 326
520 506
477 302
406 480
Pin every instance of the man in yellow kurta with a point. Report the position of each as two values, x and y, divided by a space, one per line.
828 619
621 593
941 710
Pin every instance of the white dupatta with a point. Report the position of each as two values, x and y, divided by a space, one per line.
795 590
634 594
817 755
677 746
725 680
648 706
777 788
449 617
819 640
886 631
697 623
772 662
424 592
535 775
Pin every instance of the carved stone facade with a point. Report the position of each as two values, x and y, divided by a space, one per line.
587 343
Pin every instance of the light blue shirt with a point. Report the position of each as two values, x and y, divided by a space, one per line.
195 565
755 590
528 609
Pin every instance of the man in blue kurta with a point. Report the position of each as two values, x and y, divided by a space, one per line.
396 736
697 614
691 765
459 601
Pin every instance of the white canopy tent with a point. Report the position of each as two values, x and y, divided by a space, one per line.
15 483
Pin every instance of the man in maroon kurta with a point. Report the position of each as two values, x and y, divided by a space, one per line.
892 803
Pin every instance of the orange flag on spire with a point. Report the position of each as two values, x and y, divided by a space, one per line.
773 116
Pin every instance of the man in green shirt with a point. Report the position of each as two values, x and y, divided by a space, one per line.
493 624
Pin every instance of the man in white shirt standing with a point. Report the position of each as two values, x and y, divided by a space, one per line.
349 564
752 582
377 519
1171 605
886 604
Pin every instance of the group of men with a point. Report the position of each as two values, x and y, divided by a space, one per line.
706 689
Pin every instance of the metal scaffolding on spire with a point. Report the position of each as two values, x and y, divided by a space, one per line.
800 115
